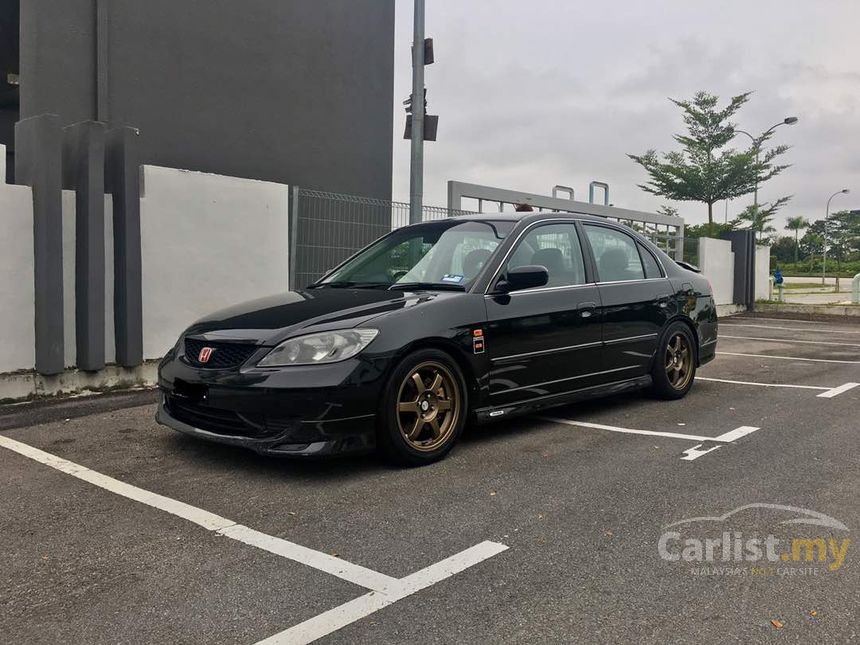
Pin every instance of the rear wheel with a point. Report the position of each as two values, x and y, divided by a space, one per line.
675 363
423 409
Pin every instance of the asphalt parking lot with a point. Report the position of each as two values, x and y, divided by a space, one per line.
547 529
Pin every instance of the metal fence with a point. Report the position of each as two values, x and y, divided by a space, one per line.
326 228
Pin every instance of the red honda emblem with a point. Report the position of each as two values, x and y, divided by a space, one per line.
205 355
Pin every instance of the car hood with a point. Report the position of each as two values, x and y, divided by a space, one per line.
276 317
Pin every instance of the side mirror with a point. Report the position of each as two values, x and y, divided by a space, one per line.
525 277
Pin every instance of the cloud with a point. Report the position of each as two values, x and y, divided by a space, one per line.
554 91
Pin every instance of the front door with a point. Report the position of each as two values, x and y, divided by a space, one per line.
545 340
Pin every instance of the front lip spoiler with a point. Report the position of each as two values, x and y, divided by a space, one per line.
275 446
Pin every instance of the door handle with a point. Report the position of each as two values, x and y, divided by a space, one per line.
586 309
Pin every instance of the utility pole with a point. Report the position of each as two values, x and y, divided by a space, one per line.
416 171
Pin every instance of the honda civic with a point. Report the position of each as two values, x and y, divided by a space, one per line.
437 325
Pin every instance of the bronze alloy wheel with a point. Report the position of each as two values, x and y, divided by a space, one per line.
679 361
428 406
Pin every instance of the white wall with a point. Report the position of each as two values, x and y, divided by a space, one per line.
208 242
762 272
17 326
717 263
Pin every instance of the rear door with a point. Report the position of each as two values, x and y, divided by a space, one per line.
545 340
635 297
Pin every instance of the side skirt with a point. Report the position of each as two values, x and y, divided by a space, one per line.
536 404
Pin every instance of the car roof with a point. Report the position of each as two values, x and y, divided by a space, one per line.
529 216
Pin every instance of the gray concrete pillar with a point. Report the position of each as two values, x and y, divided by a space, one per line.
38 163
84 172
122 175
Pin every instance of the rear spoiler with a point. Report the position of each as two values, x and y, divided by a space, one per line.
688 266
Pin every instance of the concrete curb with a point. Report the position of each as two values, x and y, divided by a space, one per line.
28 385
851 311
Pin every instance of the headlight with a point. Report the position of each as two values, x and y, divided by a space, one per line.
324 347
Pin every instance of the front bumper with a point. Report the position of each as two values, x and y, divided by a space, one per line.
333 437
300 412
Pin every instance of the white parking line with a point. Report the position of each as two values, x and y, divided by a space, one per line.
363 606
791 358
827 392
836 391
654 433
816 330
727 437
725 380
385 590
791 341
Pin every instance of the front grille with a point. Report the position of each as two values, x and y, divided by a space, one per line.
224 355
226 422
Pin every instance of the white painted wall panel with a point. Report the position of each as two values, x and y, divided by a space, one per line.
17 326
208 242
762 272
717 262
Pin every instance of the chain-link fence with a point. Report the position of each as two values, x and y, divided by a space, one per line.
326 228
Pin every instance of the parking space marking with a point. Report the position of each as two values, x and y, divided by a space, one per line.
791 341
792 358
330 564
826 392
598 426
725 380
354 610
836 391
384 590
690 454
737 433
817 330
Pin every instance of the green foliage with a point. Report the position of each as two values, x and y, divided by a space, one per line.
705 169
671 211
796 224
759 217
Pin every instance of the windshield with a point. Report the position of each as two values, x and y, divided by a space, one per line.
448 254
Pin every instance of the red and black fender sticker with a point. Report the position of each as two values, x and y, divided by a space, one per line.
478 341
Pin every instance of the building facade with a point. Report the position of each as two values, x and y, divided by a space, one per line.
292 91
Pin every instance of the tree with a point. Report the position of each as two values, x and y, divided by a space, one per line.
758 217
784 250
796 224
812 242
705 170
671 211
843 235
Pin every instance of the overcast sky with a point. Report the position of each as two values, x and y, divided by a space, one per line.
533 93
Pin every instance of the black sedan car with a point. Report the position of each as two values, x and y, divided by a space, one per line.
438 324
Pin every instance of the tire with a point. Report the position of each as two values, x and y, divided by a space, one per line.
419 424
674 368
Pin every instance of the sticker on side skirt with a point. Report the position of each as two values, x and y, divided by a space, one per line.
452 277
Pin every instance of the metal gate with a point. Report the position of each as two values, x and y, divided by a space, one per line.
326 228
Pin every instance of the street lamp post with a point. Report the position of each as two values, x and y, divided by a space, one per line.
416 172
789 120
844 191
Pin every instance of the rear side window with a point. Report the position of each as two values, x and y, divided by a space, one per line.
652 268
615 253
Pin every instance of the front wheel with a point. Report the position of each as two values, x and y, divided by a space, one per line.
423 408
675 363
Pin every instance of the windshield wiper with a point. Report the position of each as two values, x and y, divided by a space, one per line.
347 284
430 286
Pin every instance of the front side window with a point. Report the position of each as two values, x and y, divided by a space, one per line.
615 254
446 253
555 247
